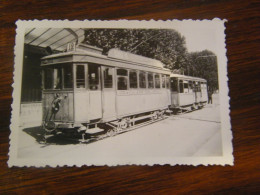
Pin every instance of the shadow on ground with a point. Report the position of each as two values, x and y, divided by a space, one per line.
38 134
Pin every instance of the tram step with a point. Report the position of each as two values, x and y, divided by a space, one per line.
168 111
94 130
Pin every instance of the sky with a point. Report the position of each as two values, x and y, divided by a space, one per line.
199 36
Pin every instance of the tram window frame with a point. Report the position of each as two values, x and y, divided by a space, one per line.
124 76
150 78
107 85
142 83
83 80
133 82
157 81
181 87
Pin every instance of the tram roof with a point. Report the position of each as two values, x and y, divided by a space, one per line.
113 55
188 77
127 56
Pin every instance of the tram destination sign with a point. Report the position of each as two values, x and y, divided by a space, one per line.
120 93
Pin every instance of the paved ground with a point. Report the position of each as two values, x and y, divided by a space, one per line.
191 134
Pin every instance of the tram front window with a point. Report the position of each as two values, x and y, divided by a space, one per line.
48 78
52 78
58 77
68 78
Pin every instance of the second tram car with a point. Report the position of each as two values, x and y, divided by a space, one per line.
82 89
188 92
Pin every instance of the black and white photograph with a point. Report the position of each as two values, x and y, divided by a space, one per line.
120 93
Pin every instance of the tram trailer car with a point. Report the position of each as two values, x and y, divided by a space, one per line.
188 92
84 89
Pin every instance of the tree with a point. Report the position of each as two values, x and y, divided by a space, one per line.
204 64
167 46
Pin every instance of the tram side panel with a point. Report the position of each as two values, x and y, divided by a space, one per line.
81 102
135 102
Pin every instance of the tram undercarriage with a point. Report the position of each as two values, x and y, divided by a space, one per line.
88 133
187 108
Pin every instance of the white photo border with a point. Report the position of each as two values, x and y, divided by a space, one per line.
227 157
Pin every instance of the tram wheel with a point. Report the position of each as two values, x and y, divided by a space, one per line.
194 107
161 114
155 115
123 123
110 132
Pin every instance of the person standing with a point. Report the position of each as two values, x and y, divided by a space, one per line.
210 97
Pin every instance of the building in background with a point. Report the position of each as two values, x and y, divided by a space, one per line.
39 42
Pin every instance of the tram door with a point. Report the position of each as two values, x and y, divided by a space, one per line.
95 95
195 91
108 93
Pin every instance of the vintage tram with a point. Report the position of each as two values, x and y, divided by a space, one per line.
187 93
85 90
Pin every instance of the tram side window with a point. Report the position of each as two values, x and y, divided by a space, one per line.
133 79
68 79
108 77
194 86
48 78
174 84
150 81
157 81
167 82
190 86
199 87
186 87
181 86
163 81
202 87
122 79
80 76
93 76
142 80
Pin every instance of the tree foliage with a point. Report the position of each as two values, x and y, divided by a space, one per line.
168 46
165 45
204 64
